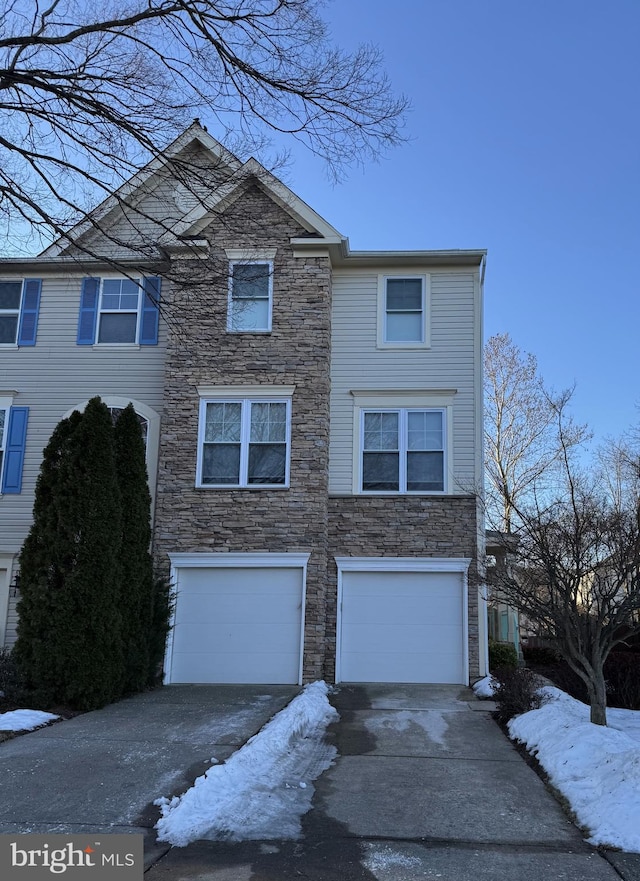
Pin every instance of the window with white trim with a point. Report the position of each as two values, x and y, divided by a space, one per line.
403 310
10 302
144 423
250 296
119 311
244 443
403 450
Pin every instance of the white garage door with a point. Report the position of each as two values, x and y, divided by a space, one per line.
237 624
402 627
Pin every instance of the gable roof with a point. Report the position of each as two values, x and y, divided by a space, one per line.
241 175
252 172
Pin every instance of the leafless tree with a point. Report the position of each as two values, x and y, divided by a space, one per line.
91 91
521 442
576 568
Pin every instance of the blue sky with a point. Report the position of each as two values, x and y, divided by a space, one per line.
525 140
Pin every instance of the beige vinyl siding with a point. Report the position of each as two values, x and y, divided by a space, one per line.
56 375
449 363
160 205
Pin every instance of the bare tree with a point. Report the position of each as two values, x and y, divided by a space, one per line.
521 443
90 92
576 571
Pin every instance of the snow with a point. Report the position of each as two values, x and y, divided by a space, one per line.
596 768
484 688
263 790
25 720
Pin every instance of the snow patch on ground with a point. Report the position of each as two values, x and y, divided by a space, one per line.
596 768
25 720
485 688
432 722
263 790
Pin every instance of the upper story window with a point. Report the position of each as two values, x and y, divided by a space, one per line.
403 303
10 301
250 296
119 311
244 443
403 450
19 306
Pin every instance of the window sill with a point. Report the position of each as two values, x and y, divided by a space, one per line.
230 488
397 493
116 346
9 346
245 332
400 346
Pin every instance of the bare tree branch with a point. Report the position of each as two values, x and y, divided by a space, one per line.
89 92
576 570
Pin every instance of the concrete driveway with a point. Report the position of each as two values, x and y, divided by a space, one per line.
426 786
101 772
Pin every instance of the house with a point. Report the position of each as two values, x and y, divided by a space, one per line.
313 420
503 620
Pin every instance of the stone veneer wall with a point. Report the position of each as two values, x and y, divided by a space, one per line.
401 526
296 352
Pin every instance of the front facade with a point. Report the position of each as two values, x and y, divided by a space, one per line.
313 421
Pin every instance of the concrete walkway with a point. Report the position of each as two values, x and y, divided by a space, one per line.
426 786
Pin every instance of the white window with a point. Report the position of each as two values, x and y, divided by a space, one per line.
250 296
144 423
403 303
244 443
10 301
119 317
403 450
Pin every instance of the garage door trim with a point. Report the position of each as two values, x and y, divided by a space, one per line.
405 564
182 561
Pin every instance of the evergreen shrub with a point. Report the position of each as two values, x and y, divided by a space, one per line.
502 654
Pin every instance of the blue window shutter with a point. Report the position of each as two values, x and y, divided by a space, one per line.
29 315
14 450
150 311
88 311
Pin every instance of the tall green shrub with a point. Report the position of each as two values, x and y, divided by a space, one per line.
47 556
70 629
137 595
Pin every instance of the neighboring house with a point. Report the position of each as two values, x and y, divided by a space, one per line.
504 620
313 419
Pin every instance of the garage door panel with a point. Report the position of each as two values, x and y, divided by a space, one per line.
218 638
390 638
241 580
402 668
234 668
384 583
403 610
261 608
402 627
237 625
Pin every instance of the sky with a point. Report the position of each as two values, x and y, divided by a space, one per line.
524 139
